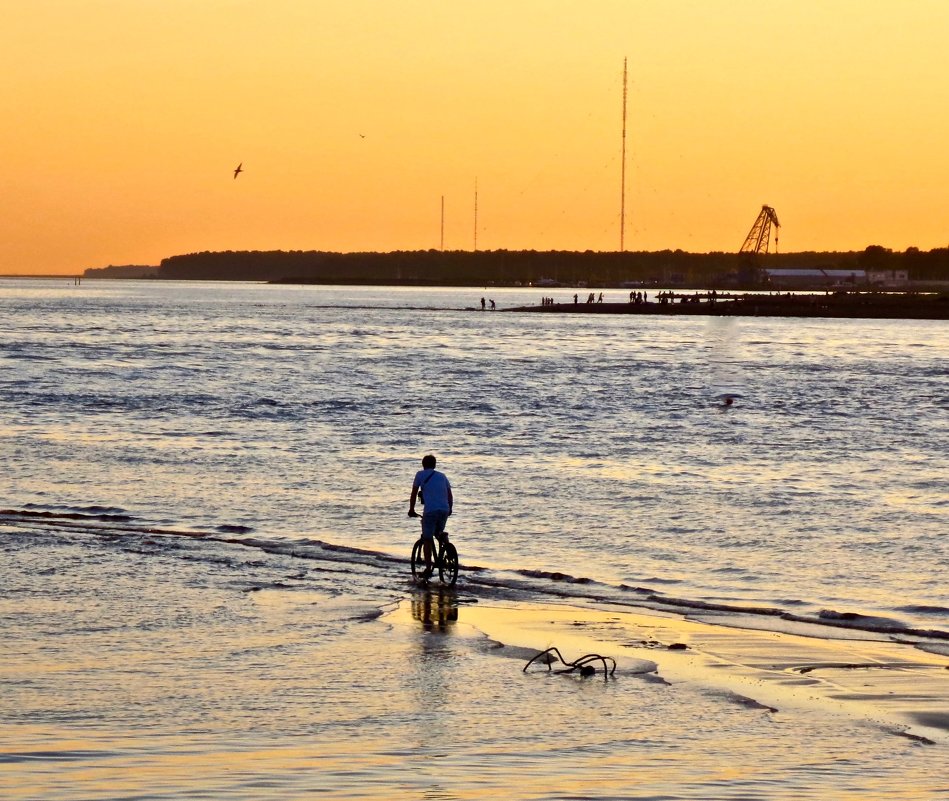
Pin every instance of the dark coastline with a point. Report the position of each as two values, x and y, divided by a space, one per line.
734 272
856 305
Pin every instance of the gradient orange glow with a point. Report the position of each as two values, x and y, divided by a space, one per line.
124 120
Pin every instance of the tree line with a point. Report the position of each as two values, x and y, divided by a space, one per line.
511 267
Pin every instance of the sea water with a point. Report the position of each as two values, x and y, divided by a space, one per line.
204 537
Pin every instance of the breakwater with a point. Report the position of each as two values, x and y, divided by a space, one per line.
873 305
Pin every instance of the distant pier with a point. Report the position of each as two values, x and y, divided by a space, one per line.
871 305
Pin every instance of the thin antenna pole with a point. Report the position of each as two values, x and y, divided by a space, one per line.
622 195
442 240
476 215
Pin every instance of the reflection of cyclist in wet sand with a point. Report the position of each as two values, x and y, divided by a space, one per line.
435 610
433 489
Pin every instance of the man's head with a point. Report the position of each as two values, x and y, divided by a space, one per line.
428 462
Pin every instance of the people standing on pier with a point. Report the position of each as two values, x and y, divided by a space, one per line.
493 307
600 299
482 304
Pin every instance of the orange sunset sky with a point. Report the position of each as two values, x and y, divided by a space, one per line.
124 119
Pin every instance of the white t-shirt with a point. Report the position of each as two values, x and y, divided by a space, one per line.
435 491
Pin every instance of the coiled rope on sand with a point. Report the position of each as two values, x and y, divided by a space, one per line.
583 664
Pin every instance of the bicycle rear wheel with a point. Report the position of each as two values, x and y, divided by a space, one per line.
418 560
448 565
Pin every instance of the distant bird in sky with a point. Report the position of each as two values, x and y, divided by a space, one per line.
239 169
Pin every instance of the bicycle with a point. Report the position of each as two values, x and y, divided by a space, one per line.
444 558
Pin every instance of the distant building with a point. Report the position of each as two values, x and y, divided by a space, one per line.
809 278
888 278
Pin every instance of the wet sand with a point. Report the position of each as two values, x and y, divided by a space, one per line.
812 669
156 668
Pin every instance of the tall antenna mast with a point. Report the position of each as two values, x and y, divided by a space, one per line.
622 200
476 215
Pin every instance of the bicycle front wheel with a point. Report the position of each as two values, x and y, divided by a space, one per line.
448 565
418 559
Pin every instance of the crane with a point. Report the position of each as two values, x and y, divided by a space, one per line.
760 233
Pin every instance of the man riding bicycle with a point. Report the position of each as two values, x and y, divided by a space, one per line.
433 491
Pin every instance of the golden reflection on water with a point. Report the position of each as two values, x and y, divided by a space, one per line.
436 609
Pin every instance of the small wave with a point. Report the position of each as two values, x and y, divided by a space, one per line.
335 404
16 353
368 617
62 515
512 583
923 609
706 606
858 619
641 590
73 755
858 622
191 434
228 528
91 510
740 700
555 576
273 585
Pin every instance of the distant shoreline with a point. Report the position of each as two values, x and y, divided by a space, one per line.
873 267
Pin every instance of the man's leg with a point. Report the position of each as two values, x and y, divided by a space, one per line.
428 530
427 551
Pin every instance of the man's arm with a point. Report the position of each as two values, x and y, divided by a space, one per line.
451 500
412 512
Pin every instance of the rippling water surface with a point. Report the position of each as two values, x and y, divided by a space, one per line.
172 450
595 446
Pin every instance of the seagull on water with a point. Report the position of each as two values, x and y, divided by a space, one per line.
239 169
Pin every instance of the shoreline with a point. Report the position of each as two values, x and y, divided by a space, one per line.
882 681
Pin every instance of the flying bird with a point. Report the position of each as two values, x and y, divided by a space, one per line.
239 169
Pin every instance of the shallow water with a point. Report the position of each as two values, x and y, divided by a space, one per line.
166 667
590 446
205 489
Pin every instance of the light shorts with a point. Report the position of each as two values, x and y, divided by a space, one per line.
433 523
